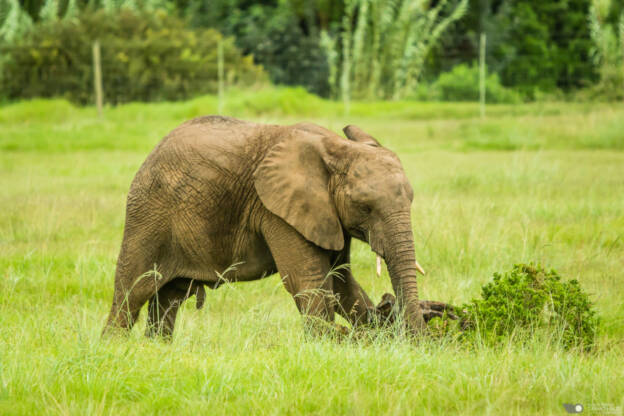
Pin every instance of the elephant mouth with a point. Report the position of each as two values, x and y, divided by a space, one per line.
360 233
363 234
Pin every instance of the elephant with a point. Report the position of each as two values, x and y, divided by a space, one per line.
218 191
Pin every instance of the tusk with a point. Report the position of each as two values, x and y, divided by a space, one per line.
378 265
419 268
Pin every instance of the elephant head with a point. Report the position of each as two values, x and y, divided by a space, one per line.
327 187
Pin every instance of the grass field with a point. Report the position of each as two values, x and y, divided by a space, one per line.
535 182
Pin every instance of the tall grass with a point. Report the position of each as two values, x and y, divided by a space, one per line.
531 183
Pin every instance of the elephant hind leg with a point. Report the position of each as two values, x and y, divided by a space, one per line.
140 274
164 305
128 301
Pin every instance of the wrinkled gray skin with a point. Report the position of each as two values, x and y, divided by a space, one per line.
219 191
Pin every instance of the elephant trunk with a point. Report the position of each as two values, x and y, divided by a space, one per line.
402 266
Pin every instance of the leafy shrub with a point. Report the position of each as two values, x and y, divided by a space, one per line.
524 302
145 57
462 84
529 299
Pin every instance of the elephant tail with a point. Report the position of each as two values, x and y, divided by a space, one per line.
200 293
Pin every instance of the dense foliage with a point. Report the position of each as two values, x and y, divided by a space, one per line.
389 48
533 45
528 299
282 37
145 57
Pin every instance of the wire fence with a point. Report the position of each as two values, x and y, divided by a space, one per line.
112 77
119 73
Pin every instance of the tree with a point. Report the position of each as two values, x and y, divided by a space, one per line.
383 44
14 22
282 36
145 57
608 51
532 44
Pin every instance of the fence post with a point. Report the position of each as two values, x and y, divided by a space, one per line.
345 76
482 72
97 76
220 74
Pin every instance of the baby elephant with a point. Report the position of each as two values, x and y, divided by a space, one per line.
218 191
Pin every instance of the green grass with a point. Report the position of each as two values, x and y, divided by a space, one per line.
535 182
57 126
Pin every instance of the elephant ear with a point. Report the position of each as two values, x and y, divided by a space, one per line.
356 134
292 182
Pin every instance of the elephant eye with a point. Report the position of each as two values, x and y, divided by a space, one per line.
365 209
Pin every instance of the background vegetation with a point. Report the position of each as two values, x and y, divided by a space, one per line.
532 182
146 57
341 49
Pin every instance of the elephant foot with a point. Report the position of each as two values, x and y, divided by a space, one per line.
430 309
318 328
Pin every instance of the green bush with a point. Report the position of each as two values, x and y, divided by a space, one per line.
145 57
530 300
283 41
289 56
462 84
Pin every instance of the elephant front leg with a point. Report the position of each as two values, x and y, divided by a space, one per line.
353 303
304 269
